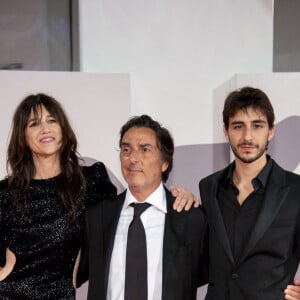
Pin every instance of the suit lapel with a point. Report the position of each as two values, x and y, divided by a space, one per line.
215 218
173 237
110 215
275 195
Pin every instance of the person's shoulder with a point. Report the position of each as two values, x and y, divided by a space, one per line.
195 222
291 177
195 215
214 175
96 174
98 184
96 169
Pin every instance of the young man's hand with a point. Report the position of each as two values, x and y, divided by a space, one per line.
292 292
184 199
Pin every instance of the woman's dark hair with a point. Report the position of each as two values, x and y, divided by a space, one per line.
164 139
70 183
244 98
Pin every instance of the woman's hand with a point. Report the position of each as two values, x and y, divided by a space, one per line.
75 270
9 266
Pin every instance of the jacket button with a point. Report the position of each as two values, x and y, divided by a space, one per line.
234 276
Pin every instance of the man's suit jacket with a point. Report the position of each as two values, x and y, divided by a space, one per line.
270 257
184 268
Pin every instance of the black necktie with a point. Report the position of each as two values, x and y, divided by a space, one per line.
136 283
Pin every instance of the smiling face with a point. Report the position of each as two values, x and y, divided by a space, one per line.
43 134
248 134
141 161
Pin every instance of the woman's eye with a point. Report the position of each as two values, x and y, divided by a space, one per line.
33 124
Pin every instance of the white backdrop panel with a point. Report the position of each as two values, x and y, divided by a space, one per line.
177 52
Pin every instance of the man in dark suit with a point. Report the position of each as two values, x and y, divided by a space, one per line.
175 241
253 209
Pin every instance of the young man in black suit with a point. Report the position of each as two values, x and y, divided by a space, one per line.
253 209
175 242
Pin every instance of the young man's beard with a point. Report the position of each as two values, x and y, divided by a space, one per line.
250 159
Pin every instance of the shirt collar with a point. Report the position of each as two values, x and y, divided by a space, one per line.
263 175
259 181
156 199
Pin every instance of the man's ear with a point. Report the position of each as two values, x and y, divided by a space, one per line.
225 132
164 166
271 133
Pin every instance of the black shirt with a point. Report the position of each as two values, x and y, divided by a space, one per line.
240 219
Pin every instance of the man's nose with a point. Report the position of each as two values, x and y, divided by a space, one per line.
248 134
134 156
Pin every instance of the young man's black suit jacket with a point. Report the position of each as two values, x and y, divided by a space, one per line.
184 268
270 258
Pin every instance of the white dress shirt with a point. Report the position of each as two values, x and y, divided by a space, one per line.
153 220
